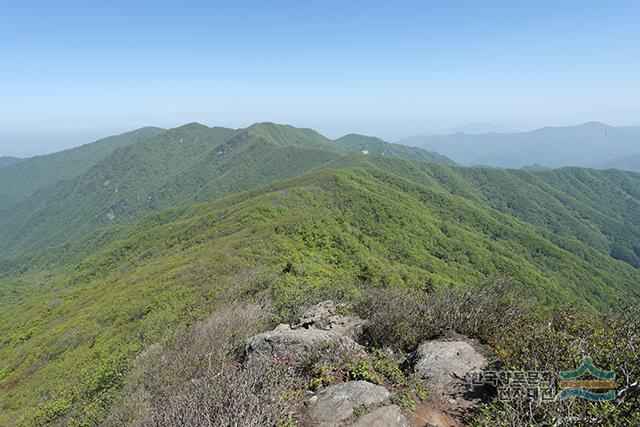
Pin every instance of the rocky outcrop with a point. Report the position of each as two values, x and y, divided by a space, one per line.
324 316
385 416
320 327
442 363
446 366
334 405
298 343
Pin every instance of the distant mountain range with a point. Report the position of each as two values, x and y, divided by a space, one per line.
8 160
475 129
629 163
591 144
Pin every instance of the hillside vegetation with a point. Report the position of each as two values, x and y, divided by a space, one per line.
20 179
282 217
179 166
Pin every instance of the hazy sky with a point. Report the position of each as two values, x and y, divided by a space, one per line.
71 72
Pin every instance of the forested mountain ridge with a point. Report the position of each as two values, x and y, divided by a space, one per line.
376 146
598 208
189 163
21 179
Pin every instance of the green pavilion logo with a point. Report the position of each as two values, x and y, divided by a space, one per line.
587 382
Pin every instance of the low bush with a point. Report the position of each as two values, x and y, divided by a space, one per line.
197 379
255 394
362 371
387 367
401 319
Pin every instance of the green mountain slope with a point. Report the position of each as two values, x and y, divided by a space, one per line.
376 146
598 208
67 344
21 179
182 165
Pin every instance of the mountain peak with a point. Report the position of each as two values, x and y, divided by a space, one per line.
594 125
190 127
359 136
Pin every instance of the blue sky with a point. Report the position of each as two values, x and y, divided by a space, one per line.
73 71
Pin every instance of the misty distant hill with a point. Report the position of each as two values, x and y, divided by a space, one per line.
476 129
629 163
588 144
8 160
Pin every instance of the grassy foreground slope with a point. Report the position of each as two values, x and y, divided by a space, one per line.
66 348
22 178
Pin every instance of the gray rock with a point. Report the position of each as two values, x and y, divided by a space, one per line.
441 362
334 405
319 327
385 416
323 316
446 366
318 315
297 343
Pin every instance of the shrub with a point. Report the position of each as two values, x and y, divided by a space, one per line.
255 394
322 376
404 400
323 366
396 319
387 367
420 389
558 339
362 371
195 379
402 319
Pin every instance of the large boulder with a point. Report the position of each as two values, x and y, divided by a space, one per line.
325 316
385 416
447 366
319 328
298 343
442 363
334 405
